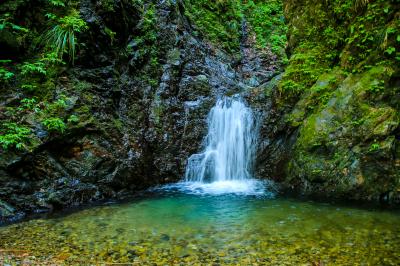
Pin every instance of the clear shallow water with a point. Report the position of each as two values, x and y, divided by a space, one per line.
171 227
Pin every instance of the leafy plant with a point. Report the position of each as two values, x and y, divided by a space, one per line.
377 86
14 136
51 58
62 37
28 87
390 50
218 21
73 119
267 20
374 147
57 2
5 74
110 33
54 124
29 104
6 24
33 68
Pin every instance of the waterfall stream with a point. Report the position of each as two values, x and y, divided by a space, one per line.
229 145
225 163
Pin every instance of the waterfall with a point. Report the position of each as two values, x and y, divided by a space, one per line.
225 163
229 145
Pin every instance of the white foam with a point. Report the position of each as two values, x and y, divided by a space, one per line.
229 150
237 187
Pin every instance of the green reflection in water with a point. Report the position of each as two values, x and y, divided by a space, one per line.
184 229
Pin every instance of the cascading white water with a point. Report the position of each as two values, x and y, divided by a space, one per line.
225 164
229 145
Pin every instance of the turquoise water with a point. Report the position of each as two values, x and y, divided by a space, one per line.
174 228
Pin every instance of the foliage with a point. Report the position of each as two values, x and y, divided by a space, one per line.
305 66
57 106
73 119
30 104
51 58
28 87
219 21
33 68
344 33
267 20
5 24
145 47
377 86
5 74
57 2
14 136
54 124
36 67
62 37
374 147
110 33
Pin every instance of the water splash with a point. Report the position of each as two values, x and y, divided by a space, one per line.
225 164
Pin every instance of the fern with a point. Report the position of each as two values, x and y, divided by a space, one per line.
33 68
57 3
13 135
62 37
5 74
54 124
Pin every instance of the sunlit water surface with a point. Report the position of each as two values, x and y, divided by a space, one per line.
177 227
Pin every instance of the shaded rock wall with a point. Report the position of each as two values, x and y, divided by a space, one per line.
142 96
333 125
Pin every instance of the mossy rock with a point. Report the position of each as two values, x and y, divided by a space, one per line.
338 140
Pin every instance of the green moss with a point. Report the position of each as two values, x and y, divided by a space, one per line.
118 124
309 61
219 21
146 42
316 97
267 21
337 136
350 34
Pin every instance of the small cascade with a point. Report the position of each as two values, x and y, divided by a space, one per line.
229 145
225 164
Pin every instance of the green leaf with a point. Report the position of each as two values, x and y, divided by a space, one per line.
73 119
57 3
390 50
8 75
51 16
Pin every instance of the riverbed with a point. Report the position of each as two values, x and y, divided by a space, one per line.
174 227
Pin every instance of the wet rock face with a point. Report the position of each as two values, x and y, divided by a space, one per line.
348 147
144 93
332 134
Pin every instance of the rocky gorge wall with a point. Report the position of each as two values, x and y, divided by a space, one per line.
131 107
139 92
335 110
